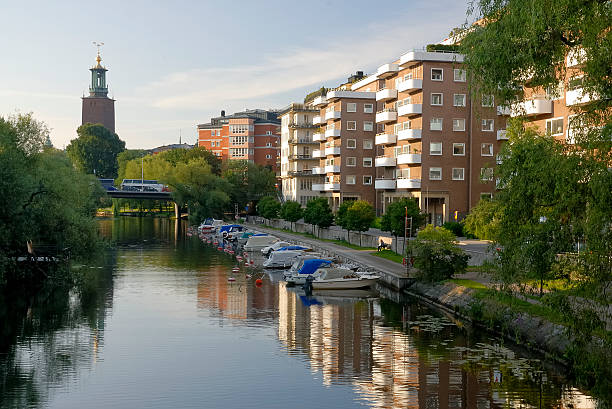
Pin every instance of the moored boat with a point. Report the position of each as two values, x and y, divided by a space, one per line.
341 279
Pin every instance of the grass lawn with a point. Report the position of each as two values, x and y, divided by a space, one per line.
338 242
468 283
389 255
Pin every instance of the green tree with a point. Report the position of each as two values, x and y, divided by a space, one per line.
268 207
361 215
95 150
436 254
175 156
291 211
483 220
318 213
125 157
341 217
395 215
249 182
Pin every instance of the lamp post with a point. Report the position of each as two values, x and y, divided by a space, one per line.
405 227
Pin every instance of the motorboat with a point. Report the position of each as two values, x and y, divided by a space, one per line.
244 237
255 243
341 279
279 244
226 229
210 225
299 248
283 258
304 268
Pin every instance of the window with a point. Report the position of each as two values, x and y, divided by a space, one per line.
268 156
269 144
435 173
351 107
367 144
351 125
268 132
436 99
351 143
351 161
486 174
459 124
435 124
486 196
458 173
459 75
368 108
486 149
488 125
459 100
435 148
437 74
350 180
367 162
555 92
459 149
488 101
367 180
554 126
402 126
368 125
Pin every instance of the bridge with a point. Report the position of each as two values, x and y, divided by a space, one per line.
129 194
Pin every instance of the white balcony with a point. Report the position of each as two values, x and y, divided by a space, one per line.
575 57
385 138
317 187
410 109
503 110
410 85
332 132
407 134
332 115
330 186
502 135
386 70
317 120
408 158
419 55
532 107
332 169
384 161
332 150
319 101
386 94
384 184
317 170
408 183
577 97
386 116
318 137
317 153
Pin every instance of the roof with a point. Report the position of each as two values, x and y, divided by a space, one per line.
260 116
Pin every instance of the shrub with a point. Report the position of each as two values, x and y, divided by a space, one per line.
436 254
455 227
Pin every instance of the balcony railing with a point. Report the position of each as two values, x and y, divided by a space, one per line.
532 107
318 137
384 184
577 97
332 169
502 135
317 153
333 115
300 156
304 172
384 161
386 115
318 170
317 187
331 186
332 150
385 138
386 94
302 141
318 101
408 158
317 120
302 125
503 110
410 109
408 183
410 85
407 134
332 132
386 70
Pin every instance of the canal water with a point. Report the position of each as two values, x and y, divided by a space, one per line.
155 323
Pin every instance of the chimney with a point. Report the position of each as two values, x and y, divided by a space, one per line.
222 112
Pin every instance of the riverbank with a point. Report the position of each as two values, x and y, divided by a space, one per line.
531 325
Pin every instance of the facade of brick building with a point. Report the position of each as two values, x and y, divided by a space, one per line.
97 107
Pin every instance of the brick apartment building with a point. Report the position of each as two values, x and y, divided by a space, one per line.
296 152
251 135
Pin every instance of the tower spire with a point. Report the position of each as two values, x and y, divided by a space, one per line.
98 86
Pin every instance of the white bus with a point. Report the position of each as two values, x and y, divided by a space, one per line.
140 185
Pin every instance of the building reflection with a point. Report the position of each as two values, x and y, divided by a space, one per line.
350 343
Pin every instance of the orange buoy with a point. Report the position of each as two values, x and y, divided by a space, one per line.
258 282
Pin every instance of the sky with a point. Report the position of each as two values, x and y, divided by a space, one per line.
175 64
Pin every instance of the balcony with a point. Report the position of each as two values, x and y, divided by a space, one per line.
331 186
302 125
332 132
317 153
332 115
532 107
576 57
317 187
318 137
319 101
304 172
300 157
317 120
384 184
407 134
317 170
410 109
384 161
386 94
301 141
385 116
503 110
385 138
577 97
332 169
332 150
386 70
410 85
409 158
502 135
408 183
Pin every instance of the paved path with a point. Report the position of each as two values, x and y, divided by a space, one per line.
359 256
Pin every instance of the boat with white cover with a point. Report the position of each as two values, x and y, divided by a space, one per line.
342 279
255 243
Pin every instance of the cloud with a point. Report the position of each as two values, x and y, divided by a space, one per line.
326 61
